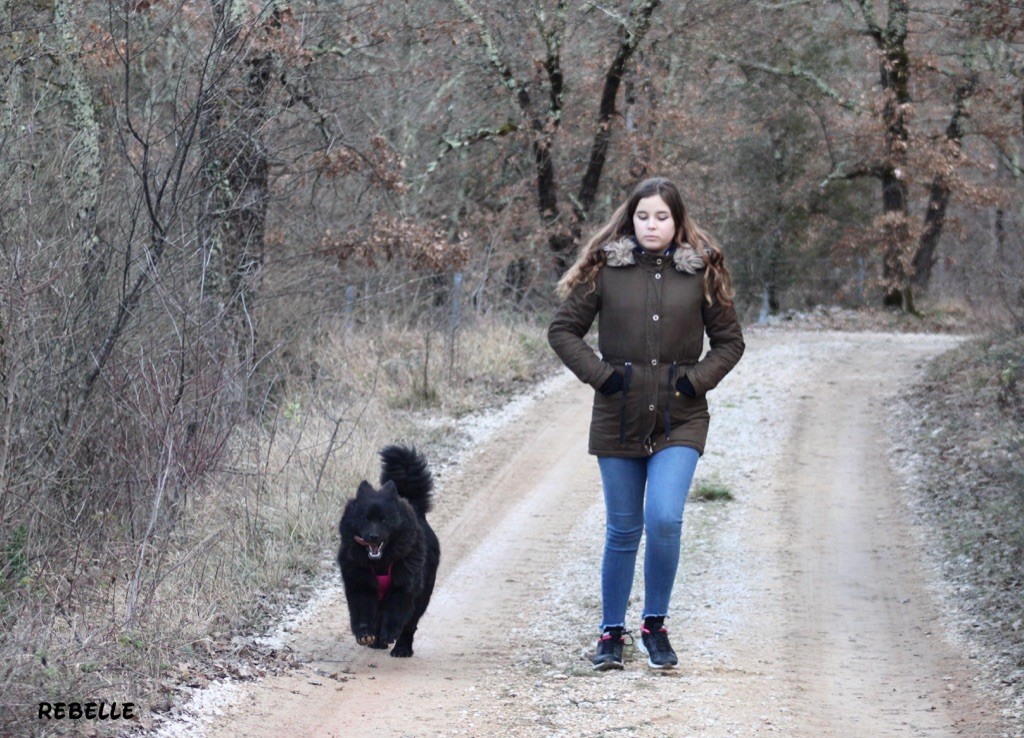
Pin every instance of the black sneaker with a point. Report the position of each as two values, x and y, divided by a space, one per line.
659 651
609 650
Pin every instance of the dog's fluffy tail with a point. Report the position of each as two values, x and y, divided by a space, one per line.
407 469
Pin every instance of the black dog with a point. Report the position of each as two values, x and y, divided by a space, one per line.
389 553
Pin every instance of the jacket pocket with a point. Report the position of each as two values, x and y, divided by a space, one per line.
610 413
682 408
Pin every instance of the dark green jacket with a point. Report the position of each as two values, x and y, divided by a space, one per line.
652 317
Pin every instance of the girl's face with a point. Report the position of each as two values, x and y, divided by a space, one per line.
653 224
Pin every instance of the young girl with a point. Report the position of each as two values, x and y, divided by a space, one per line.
656 284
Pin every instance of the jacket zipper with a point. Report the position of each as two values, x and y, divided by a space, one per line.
627 380
668 399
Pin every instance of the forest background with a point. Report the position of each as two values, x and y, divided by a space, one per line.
243 244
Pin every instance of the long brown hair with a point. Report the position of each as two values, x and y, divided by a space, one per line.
717 280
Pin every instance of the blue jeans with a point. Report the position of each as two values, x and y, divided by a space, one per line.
666 476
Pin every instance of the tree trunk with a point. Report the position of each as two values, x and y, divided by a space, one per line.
246 217
938 199
629 39
86 175
895 80
895 237
774 262
631 35
236 171
563 239
1020 291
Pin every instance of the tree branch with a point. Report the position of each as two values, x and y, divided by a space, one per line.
467 138
793 72
553 36
867 10
493 53
632 32
861 170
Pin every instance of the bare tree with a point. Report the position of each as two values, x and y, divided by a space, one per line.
544 115
248 65
900 157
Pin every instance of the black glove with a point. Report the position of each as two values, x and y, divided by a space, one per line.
613 384
685 387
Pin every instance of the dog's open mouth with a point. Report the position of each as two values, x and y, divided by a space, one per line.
373 550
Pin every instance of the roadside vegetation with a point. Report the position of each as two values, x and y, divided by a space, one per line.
100 618
711 491
966 452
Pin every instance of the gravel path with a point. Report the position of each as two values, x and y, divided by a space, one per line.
802 607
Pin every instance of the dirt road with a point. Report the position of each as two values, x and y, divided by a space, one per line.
802 607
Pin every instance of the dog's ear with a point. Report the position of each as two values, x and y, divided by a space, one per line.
389 488
365 488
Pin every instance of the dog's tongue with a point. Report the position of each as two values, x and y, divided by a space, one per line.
373 551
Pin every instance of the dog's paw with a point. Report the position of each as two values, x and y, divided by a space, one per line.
366 639
401 651
384 639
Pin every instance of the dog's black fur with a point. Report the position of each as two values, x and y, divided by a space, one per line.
386 530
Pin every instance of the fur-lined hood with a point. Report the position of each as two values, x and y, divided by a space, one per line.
621 253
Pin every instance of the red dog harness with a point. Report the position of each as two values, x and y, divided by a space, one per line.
383 582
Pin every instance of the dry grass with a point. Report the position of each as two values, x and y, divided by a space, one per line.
259 532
